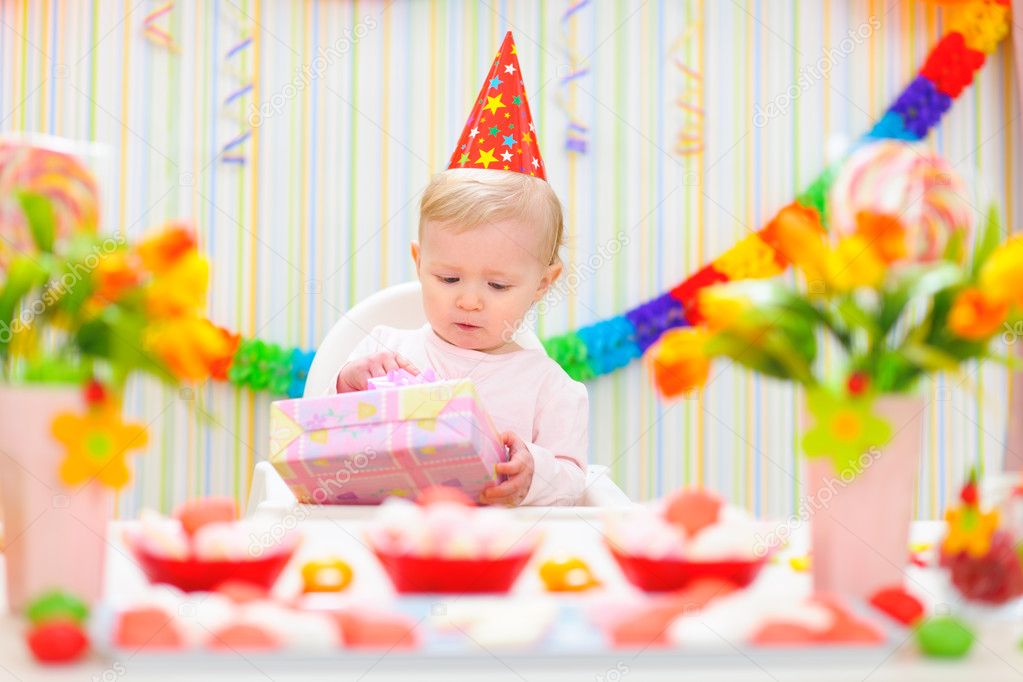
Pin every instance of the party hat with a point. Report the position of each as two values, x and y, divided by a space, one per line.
499 134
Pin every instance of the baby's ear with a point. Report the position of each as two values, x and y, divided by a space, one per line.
549 277
414 249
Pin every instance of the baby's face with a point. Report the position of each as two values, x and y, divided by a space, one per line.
478 284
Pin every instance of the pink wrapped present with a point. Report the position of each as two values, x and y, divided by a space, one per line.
406 435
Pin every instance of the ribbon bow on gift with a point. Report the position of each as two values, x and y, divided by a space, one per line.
401 377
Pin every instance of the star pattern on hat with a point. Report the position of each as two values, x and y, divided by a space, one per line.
501 125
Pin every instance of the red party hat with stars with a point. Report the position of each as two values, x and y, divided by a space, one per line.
499 134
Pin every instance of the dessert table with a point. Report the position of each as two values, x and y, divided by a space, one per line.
995 656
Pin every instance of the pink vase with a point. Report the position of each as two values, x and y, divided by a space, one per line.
860 525
54 536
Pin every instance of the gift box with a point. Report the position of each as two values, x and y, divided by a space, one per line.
360 448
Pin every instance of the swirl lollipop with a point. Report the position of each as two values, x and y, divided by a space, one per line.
908 182
50 173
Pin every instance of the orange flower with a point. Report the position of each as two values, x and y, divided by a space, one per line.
678 361
96 445
114 275
180 289
163 250
797 234
885 233
192 348
976 315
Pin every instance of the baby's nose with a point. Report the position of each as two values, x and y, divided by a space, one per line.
469 301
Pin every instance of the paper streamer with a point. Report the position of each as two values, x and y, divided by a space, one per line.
577 132
157 34
233 150
689 138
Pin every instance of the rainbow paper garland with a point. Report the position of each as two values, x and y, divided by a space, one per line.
975 30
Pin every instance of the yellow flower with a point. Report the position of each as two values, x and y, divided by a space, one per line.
975 315
969 530
678 361
853 263
1001 276
192 348
719 309
751 258
96 445
180 289
161 251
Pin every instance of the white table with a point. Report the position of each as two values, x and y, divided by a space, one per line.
994 657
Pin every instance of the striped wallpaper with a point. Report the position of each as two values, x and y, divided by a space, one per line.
312 209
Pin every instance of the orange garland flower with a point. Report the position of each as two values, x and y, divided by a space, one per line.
180 289
192 347
96 445
115 274
976 315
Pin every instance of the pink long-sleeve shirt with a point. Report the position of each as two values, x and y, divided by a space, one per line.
524 392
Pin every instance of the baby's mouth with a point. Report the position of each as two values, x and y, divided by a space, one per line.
466 327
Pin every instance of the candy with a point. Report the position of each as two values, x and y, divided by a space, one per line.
567 574
724 541
364 629
241 592
194 514
57 641
243 636
326 575
147 628
440 493
159 536
944 637
899 179
692 509
56 605
219 541
899 604
996 577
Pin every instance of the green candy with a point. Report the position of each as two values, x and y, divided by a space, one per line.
944 637
56 605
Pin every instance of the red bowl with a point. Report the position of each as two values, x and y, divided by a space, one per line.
449 576
195 575
665 575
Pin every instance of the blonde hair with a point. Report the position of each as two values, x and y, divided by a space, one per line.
464 198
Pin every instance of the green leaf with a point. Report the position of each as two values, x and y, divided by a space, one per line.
42 220
987 242
117 337
955 248
23 276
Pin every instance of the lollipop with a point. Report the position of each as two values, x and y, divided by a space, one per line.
907 182
52 174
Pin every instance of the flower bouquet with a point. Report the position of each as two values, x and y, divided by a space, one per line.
80 312
892 285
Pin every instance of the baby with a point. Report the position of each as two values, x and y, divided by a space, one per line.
487 251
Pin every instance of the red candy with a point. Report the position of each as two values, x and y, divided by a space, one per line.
147 628
783 634
243 636
194 514
57 641
241 591
994 578
371 630
899 604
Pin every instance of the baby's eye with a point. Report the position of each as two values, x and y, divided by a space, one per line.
447 280
498 287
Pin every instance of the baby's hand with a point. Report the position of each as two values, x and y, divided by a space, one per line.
518 469
354 375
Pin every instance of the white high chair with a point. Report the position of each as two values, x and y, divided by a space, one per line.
397 306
